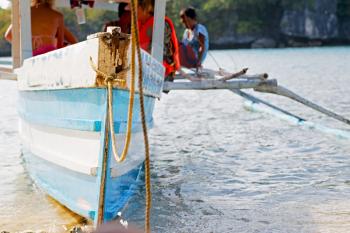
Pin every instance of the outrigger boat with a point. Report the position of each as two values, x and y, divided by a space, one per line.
74 100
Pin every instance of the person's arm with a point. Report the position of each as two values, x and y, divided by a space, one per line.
201 39
60 33
69 37
8 34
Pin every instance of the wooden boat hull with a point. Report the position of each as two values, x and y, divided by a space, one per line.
62 108
61 137
78 191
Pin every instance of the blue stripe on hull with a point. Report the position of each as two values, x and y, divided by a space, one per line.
80 109
119 190
79 192
84 110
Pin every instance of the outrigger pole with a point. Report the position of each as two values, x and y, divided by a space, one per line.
210 80
282 91
256 104
218 84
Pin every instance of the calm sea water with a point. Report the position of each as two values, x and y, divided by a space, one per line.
215 166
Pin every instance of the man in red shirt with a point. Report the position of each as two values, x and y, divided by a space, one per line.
171 60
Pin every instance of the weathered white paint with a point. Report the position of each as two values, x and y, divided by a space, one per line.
76 150
16 49
68 67
158 30
26 30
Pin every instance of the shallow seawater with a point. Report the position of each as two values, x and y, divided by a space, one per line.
217 167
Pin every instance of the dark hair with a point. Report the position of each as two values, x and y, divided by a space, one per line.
190 12
121 8
147 5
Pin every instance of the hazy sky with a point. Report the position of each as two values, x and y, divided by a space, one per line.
4 3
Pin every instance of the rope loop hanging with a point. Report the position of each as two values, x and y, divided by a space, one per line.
109 80
114 78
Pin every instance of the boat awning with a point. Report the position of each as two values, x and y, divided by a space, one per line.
96 4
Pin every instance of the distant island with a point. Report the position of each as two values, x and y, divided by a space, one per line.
240 23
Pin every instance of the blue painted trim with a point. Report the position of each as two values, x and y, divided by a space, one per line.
80 109
68 187
113 205
64 185
83 125
83 109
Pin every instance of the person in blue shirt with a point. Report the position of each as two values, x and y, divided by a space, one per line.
195 41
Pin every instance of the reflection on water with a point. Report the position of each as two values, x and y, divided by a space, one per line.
217 167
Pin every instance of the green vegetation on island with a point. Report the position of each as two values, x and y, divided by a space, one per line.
238 23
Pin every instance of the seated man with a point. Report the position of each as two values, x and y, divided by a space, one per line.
47 27
124 21
195 41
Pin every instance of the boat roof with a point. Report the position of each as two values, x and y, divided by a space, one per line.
98 4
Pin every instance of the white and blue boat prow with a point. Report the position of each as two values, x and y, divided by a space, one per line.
62 109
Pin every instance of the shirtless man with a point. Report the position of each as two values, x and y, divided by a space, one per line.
47 27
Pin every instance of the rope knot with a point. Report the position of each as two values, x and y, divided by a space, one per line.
108 79
111 78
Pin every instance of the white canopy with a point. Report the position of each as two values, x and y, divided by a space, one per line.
99 4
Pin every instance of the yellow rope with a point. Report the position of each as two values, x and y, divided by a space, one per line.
109 80
135 36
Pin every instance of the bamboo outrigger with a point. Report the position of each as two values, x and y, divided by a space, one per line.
67 125
235 82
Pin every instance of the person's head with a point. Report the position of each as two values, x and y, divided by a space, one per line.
183 18
145 9
122 8
188 17
40 2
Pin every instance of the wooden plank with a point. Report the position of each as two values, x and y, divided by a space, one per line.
215 84
7 76
221 75
7 69
16 49
113 56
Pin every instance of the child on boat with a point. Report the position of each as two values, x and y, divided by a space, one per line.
195 40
